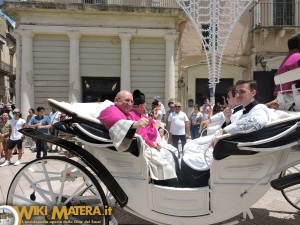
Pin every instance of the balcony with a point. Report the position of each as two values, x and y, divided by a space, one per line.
276 14
131 3
6 69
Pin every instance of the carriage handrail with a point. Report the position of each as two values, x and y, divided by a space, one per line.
247 144
202 132
288 76
271 149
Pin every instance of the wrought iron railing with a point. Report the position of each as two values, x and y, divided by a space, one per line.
276 14
11 70
132 3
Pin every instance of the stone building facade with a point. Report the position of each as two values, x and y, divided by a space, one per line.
88 50
7 59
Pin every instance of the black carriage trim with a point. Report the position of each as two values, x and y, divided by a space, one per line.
229 146
98 168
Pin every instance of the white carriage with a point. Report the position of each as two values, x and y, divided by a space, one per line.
245 165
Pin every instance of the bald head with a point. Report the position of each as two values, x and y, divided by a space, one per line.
124 101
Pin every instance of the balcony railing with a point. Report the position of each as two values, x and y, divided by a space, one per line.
8 69
276 14
132 3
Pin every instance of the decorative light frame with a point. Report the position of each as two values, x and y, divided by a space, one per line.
222 15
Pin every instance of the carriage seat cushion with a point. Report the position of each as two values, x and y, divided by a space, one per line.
278 115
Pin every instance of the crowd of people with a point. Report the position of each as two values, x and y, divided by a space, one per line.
12 142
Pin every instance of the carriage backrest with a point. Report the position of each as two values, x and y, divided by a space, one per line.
227 145
85 111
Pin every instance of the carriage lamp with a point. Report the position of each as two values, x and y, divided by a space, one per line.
181 82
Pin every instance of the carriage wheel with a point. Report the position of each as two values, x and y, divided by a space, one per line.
292 194
58 182
109 197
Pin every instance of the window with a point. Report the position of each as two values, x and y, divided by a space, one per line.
95 1
155 3
100 88
284 12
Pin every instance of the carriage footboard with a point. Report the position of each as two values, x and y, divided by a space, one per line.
286 181
93 163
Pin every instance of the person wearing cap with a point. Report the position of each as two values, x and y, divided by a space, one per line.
15 137
161 161
149 133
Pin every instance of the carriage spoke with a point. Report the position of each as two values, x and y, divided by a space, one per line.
48 183
62 184
39 190
27 200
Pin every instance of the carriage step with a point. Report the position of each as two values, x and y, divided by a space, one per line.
286 181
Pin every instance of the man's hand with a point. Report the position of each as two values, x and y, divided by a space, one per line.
216 139
157 145
39 125
204 124
221 132
227 113
143 122
33 125
273 104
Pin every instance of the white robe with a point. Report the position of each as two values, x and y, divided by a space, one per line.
160 163
198 153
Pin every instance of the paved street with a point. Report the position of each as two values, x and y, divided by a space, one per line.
272 209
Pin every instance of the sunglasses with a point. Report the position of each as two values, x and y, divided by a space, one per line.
177 106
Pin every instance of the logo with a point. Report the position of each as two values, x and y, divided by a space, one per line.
8 215
17 215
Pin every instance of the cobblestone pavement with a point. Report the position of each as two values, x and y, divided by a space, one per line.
272 209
